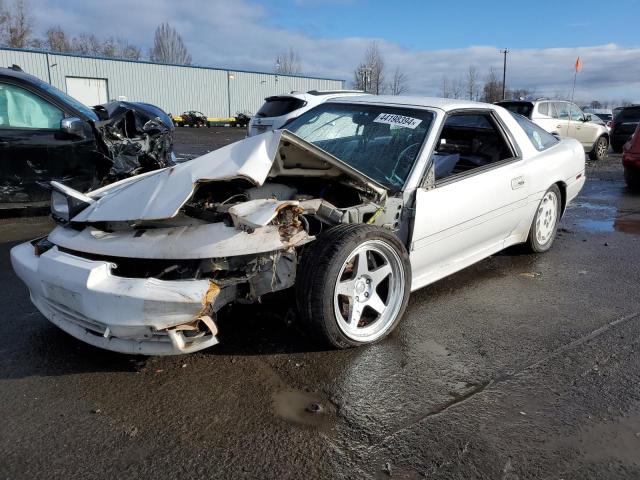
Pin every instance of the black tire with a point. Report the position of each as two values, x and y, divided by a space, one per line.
533 243
321 263
632 178
600 148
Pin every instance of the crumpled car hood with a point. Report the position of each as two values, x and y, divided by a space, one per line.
161 194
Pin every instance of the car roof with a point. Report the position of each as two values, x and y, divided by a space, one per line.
16 73
446 104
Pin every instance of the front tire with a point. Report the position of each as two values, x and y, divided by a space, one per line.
353 284
600 149
545 222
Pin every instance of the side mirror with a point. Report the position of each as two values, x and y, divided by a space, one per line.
75 127
587 117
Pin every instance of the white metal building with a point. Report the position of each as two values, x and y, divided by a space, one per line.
215 92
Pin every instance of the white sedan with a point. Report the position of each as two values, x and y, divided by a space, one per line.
359 202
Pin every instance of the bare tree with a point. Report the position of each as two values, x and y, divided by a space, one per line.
168 47
456 88
492 90
87 44
369 76
398 84
446 92
288 62
16 24
56 40
520 93
472 83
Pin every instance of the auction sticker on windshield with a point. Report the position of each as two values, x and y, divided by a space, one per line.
398 120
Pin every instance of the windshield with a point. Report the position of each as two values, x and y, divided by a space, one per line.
381 142
81 107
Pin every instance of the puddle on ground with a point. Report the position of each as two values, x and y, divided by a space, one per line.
629 224
303 408
595 206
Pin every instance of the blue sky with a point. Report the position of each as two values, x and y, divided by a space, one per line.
416 24
426 40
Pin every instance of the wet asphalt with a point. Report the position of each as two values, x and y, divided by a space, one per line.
520 366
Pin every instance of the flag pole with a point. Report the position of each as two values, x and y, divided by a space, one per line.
573 90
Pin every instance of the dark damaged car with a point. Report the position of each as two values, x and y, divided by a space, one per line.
47 135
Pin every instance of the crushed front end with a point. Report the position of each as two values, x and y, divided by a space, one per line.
144 265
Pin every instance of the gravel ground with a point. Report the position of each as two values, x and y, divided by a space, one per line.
520 366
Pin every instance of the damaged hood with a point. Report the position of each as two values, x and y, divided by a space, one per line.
161 194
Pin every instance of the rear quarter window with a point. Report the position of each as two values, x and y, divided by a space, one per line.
543 108
540 138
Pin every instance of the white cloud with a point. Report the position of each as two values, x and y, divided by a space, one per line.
239 34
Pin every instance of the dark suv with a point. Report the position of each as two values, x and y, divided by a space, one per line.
625 121
47 135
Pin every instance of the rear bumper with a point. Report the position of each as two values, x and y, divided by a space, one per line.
127 315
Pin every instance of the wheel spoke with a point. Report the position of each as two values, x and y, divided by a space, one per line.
376 303
363 266
355 313
346 287
379 274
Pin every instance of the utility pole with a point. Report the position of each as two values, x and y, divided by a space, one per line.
504 74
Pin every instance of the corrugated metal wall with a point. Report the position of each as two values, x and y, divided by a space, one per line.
175 89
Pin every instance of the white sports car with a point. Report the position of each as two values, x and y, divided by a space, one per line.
359 202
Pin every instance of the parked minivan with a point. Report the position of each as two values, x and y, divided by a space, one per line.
566 120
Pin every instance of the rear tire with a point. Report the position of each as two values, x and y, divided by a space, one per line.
632 178
600 149
353 284
545 222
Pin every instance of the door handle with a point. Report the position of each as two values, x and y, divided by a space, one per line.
558 126
517 182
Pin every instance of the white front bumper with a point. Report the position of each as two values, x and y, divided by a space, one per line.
127 315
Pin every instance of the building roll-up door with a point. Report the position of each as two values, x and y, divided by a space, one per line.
90 91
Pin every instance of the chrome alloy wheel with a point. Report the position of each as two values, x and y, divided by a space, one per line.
546 218
602 146
369 291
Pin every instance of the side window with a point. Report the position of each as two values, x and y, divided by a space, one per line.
562 110
576 113
540 138
20 108
468 141
543 108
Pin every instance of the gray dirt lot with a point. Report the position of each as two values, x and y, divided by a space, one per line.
521 366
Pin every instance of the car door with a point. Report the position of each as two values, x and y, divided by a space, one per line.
34 151
467 213
585 132
561 117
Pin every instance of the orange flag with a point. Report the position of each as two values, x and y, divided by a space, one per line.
578 65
